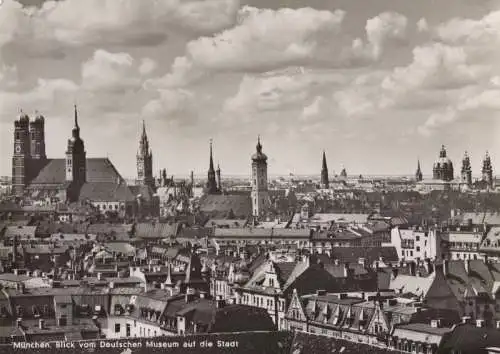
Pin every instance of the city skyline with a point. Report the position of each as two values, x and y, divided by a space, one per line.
377 88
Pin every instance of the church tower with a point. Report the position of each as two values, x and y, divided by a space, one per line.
21 157
418 173
466 172
145 160
211 182
260 193
37 132
76 169
324 173
219 180
487 170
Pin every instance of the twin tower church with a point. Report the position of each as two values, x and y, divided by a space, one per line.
78 178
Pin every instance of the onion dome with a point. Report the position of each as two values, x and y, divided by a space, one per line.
259 155
23 117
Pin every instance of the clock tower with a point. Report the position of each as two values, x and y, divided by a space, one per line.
21 157
145 160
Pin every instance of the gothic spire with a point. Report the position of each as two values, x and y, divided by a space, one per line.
211 167
76 117
324 161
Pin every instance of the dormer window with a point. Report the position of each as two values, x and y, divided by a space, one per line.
35 311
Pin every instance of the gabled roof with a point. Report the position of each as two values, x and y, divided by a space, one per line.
106 192
156 230
241 205
98 170
418 286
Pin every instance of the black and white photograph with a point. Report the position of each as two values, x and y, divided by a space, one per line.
250 176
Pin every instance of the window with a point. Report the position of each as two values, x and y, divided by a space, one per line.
417 238
418 248
117 328
127 330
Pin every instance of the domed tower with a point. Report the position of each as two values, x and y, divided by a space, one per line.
466 173
487 170
76 166
21 156
260 193
324 173
145 160
37 132
418 173
443 167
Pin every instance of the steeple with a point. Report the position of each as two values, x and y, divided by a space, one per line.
324 172
211 167
212 187
418 173
76 128
145 160
487 170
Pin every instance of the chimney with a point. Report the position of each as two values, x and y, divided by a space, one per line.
346 270
445 267
320 292
99 276
19 322
203 295
413 268
189 295
467 266
394 273
466 319
111 285
436 323
479 323
220 303
41 323
362 261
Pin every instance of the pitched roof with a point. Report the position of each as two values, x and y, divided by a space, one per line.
370 254
412 284
156 230
106 192
98 170
241 205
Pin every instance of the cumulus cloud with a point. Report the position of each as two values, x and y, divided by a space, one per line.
260 93
114 72
385 27
123 22
263 40
174 106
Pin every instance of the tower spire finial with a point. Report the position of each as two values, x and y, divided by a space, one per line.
211 167
76 116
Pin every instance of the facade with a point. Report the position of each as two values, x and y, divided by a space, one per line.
324 173
260 193
144 161
443 167
463 242
414 244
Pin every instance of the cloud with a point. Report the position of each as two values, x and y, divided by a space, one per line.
312 110
57 25
263 40
114 72
177 107
279 92
385 27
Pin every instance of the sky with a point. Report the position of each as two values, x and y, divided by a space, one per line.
376 84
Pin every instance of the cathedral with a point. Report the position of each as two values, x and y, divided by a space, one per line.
76 178
443 167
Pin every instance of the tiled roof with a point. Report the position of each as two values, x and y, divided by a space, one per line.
305 343
99 170
45 227
106 192
412 284
157 230
470 339
20 231
220 205
370 254
145 192
108 229
262 233
226 223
